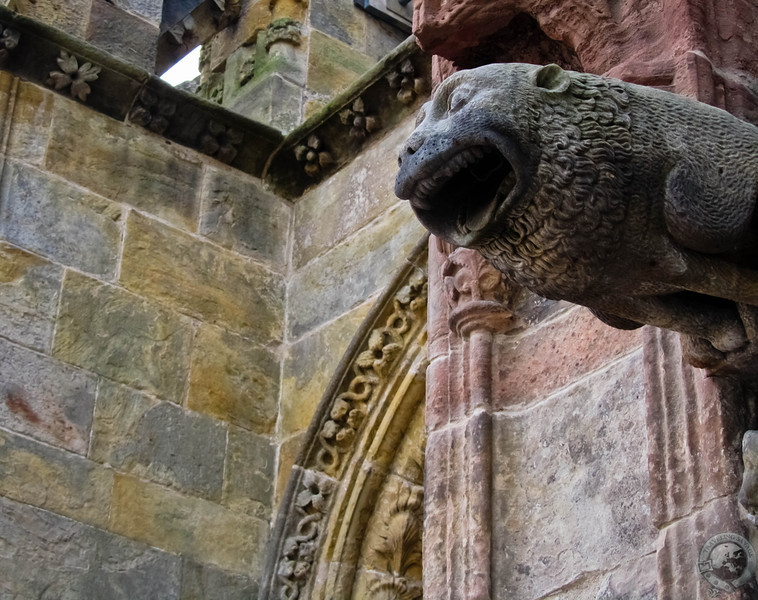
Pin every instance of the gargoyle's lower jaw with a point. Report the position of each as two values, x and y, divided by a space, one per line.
461 197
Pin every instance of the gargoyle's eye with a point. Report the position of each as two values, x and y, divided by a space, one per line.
458 99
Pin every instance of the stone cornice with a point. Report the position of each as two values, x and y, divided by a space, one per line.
41 54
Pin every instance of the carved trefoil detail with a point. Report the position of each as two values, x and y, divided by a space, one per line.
73 76
384 345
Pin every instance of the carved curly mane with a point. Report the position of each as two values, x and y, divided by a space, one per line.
568 222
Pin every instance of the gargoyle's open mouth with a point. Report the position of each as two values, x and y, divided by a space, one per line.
468 187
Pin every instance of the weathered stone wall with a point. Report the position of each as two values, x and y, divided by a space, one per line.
350 236
142 311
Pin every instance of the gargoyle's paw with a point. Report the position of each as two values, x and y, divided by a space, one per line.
700 353
730 338
470 184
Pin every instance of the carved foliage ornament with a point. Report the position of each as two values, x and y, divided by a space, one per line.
73 76
314 155
299 549
152 112
404 80
400 548
360 123
283 30
634 202
9 39
384 345
220 141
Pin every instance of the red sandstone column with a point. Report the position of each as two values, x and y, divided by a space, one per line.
458 524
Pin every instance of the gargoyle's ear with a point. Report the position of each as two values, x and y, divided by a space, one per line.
552 78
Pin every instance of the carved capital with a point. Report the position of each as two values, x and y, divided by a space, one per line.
283 30
479 295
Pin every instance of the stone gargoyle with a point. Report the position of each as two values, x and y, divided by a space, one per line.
634 202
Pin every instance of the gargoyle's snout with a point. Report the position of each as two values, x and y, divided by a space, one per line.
404 183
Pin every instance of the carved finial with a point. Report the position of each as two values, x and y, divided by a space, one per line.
73 76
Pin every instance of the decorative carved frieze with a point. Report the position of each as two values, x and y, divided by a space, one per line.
314 155
384 345
299 549
360 123
220 141
73 76
152 112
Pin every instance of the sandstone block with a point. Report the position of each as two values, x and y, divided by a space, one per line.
203 582
158 441
341 20
47 215
309 366
54 557
250 474
53 479
124 163
30 127
151 10
546 359
340 279
240 215
333 65
152 353
67 15
29 287
8 87
197 528
272 100
234 379
202 280
254 16
123 35
570 487
348 200
44 399
288 453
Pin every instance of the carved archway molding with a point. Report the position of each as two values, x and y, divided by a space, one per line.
350 522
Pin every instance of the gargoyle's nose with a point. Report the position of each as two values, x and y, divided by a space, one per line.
410 148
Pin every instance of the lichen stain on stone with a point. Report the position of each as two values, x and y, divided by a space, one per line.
16 403
15 264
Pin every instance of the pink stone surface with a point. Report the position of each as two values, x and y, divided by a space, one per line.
535 364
